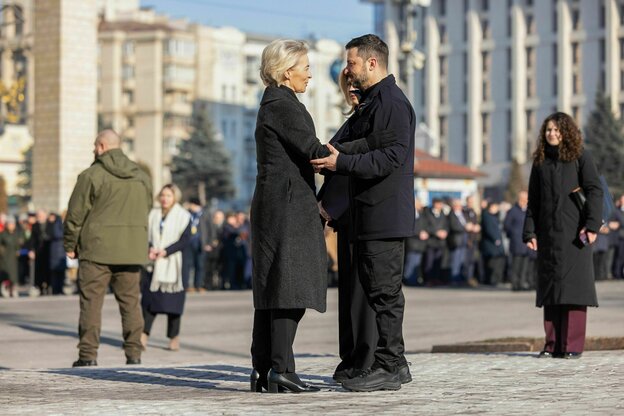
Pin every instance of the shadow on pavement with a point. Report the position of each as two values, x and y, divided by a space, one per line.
212 377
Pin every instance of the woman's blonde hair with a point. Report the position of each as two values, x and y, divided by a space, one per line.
278 57
343 83
177 194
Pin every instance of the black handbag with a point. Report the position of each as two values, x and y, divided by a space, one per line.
580 200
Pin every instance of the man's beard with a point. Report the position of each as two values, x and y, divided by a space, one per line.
358 81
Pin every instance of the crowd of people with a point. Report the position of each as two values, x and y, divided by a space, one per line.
461 244
218 256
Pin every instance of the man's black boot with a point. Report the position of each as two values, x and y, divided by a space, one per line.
373 379
84 363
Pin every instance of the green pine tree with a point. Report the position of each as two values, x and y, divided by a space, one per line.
202 166
604 137
516 182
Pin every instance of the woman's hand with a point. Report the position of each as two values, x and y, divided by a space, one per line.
586 236
532 244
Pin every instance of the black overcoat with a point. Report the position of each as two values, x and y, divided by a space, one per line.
287 241
565 265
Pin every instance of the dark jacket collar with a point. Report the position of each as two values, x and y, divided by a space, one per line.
374 90
273 93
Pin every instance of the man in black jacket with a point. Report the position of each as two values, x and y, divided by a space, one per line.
381 186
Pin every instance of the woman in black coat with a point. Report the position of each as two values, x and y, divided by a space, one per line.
561 233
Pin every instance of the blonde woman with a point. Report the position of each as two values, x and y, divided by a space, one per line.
169 231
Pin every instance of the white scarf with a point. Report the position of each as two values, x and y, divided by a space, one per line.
167 276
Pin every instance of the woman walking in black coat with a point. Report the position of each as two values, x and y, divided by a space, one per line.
561 232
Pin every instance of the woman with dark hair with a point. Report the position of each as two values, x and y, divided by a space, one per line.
561 231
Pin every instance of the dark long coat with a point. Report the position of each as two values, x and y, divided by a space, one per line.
287 241
565 265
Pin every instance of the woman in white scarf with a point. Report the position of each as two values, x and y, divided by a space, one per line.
162 291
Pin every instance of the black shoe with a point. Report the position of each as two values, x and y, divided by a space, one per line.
404 374
84 363
571 355
345 374
289 381
546 354
257 382
133 361
373 379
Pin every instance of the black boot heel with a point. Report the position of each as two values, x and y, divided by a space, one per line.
273 387
254 379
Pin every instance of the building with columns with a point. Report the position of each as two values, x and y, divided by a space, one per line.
152 71
495 69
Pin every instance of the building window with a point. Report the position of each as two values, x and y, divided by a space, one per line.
128 97
576 84
485 29
530 24
486 90
443 66
555 17
485 5
443 35
128 48
555 55
555 85
485 61
181 48
576 19
508 120
442 94
530 120
576 114
576 53
601 14
442 8
485 123
127 72
443 126
621 48
486 150
530 87
179 73
530 54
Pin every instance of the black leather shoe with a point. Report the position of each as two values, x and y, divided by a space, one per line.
84 363
257 382
373 379
289 381
133 361
545 354
346 374
571 355
404 374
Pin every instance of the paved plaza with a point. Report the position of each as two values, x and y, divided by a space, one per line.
209 375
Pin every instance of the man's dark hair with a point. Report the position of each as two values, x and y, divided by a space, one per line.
370 46
194 200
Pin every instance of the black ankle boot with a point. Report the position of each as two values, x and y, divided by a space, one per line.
288 381
257 382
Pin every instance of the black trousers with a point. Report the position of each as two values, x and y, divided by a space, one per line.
522 270
273 335
173 323
380 268
494 270
357 327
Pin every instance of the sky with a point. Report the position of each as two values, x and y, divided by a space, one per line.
340 20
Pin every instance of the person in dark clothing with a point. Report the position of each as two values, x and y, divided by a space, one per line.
491 245
522 259
288 245
40 249
474 234
381 184
193 256
213 246
357 329
437 226
601 249
615 224
415 246
162 289
617 268
56 254
11 239
457 243
562 233
233 253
